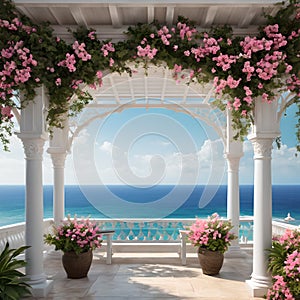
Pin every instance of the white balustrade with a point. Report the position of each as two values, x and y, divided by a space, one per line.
138 230
15 234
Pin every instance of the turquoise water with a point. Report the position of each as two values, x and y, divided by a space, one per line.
12 203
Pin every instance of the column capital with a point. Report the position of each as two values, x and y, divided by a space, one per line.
233 161
33 146
262 147
58 159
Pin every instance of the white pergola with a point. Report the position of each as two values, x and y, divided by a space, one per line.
111 19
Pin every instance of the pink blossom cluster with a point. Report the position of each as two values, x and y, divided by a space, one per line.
6 112
272 32
210 46
69 62
293 83
267 67
80 51
286 280
147 51
91 35
279 290
290 238
17 62
75 84
292 265
164 35
81 235
185 31
248 69
99 81
106 48
221 84
176 71
15 25
225 61
213 233
252 44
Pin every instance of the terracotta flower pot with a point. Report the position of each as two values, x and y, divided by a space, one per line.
77 265
211 262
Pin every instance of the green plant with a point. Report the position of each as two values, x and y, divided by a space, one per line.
213 234
241 69
13 286
284 265
75 235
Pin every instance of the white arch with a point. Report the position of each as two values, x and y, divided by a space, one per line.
121 91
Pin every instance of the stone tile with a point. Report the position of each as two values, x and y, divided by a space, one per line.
159 277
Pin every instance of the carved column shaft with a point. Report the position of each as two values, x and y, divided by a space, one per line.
58 160
234 152
33 148
262 233
233 196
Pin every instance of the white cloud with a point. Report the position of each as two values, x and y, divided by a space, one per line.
106 147
108 164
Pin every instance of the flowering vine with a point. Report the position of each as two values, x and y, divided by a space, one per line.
241 69
284 264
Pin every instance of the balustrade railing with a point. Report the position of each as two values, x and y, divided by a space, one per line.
128 230
15 234
139 230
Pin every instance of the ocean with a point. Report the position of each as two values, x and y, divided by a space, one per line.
161 201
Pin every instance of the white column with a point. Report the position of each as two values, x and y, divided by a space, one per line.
264 130
34 208
58 161
58 151
233 200
233 154
33 135
262 232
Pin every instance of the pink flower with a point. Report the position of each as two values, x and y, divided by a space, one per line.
237 103
111 62
146 51
106 48
58 81
6 112
91 35
99 75
187 53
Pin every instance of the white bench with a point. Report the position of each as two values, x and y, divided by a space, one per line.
108 237
159 246
183 240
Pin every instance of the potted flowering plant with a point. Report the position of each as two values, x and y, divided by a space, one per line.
213 237
284 265
76 238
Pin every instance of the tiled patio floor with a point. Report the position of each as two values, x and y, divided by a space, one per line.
158 276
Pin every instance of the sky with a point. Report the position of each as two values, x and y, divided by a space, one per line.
154 146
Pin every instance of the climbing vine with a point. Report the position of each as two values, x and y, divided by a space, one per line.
241 69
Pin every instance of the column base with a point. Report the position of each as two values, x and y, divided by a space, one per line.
41 289
259 288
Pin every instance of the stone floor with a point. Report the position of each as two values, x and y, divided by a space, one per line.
140 276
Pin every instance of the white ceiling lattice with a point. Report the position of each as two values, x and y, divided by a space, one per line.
111 18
